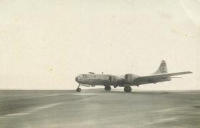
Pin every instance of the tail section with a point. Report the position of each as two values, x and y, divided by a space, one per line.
162 68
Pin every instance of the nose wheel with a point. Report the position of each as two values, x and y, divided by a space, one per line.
78 89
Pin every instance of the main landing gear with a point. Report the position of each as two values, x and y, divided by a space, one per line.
127 89
107 88
78 88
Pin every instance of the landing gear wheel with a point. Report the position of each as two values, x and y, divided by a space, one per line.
78 89
107 88
127 89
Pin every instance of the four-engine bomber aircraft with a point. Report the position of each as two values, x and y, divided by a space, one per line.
127 80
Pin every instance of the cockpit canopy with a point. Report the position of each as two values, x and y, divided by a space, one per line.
91 73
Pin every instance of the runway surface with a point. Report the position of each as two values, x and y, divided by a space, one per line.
99 109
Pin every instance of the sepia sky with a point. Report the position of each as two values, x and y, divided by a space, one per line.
44 44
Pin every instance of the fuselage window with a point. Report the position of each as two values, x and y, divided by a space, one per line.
84 76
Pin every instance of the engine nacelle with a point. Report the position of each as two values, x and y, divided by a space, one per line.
130 78
113 80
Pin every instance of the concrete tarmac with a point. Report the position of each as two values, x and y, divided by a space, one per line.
99 109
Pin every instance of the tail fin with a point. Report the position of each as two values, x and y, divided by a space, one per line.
162 68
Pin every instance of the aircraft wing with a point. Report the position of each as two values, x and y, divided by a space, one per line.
155 77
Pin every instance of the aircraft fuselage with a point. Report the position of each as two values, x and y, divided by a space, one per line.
98 79
106 79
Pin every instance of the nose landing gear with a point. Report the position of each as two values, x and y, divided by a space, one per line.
78 88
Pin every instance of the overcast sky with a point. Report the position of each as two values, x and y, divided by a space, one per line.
44 44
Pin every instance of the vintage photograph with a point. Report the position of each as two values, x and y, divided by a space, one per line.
99 64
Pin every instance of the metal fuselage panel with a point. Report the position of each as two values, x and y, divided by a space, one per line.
93 79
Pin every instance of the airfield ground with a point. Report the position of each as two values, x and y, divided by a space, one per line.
99 109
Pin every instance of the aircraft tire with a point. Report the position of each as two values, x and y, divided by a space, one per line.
127 89
78 89
107 88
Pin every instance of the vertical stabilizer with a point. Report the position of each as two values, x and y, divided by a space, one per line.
162 68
